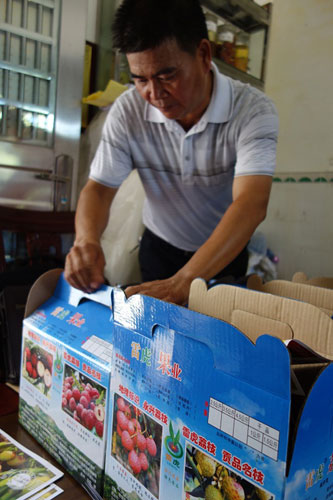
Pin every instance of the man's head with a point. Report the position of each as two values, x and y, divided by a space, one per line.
169 55
145 24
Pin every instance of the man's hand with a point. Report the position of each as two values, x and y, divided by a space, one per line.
84 266
172 289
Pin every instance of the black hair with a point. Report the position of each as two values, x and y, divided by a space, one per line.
145 24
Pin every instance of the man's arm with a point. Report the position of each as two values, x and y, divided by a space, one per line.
85 261
247 211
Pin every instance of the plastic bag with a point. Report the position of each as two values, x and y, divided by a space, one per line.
120 240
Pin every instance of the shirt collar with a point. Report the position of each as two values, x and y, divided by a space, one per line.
218 111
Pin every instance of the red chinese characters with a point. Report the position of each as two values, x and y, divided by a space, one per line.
91 371
34 336
237 464
129 394
72 359
167 368
155 411
199 440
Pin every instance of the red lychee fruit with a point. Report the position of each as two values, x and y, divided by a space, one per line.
126 441
76 417
89 419
27 353
136 424
83 415
64 402
100 412
85 393
134 462
130 428
122 420
94 394
29 368
119 431
84 401
68 394
49 361
34 359
141 442
99 426
76 394
121 404
143 461
79 408
151 446
34 373
72 404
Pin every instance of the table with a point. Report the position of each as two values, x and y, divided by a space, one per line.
9 423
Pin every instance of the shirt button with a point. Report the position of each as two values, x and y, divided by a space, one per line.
187 158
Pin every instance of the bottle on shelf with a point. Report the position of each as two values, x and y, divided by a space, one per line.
242 51
226 43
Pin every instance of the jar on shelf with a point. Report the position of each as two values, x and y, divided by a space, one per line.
242 51
211 23
225 43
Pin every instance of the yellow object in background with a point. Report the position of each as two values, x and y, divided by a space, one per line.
106 97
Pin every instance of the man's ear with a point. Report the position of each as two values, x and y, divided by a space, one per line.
205 53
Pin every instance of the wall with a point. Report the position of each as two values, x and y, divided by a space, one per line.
299 78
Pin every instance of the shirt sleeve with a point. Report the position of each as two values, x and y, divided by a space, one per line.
257 143
112 162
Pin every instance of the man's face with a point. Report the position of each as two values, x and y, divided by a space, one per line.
175 82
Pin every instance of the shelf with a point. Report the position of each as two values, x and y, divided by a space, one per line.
236 74
245 14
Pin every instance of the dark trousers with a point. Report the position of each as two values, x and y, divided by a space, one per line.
160 260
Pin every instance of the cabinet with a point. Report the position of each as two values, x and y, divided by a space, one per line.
245 18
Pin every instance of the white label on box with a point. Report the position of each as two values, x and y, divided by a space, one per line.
245 429
99 348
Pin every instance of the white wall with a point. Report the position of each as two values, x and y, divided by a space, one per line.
299 78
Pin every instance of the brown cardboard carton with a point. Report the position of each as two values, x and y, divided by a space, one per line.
317 296
257 313
324 282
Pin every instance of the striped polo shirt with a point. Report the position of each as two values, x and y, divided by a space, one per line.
188 176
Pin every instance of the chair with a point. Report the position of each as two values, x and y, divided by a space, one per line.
42 236
42 231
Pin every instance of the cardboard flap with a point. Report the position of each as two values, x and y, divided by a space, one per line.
319 297
42 289
255 325
324 282
308 323
73 296
233 353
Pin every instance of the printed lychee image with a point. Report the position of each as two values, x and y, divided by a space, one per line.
37 366
207 479
84 400
136 443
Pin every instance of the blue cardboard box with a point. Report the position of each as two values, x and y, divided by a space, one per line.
199 411
65 375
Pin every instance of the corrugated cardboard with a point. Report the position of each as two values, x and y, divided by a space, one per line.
317 296
199 387
67 337
256 313
202 388
324 282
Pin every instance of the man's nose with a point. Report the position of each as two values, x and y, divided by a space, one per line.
156 90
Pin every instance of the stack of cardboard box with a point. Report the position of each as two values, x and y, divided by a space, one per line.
227 399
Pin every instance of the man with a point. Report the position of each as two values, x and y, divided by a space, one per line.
204 146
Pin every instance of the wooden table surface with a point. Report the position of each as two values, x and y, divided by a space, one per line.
9 423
